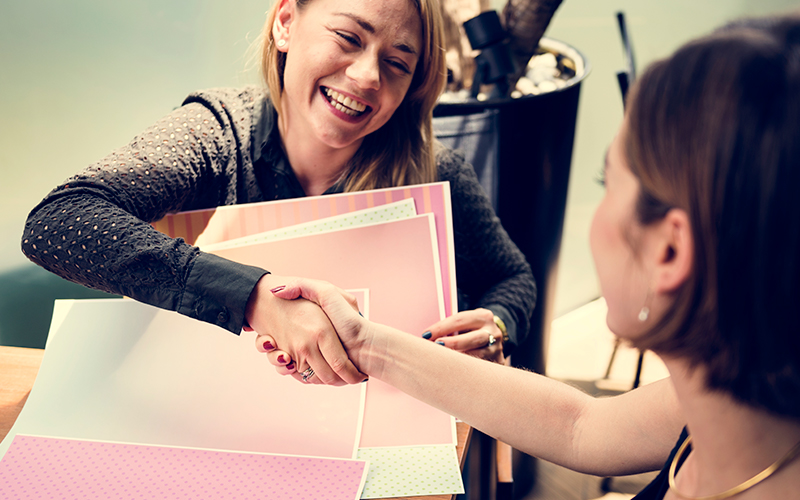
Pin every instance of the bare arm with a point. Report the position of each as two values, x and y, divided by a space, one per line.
540 416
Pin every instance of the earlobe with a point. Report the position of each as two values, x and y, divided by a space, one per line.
675 252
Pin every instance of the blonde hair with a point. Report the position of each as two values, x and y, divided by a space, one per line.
402 152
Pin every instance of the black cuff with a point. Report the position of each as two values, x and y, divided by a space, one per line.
217 291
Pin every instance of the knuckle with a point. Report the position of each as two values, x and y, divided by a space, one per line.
302 351
338 365
318 332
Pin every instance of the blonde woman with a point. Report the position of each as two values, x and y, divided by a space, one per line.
351 89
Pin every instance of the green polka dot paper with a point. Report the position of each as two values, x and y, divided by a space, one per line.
66 469
376 215
411 471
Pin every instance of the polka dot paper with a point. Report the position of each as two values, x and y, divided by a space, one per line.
411 471
39 467
384 213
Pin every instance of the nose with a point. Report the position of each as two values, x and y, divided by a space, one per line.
365 71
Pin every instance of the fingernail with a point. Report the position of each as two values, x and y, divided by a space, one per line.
359 313
268 345
281 359
440 342
290 366
427 335
278 289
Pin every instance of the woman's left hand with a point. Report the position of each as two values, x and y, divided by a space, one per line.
471 332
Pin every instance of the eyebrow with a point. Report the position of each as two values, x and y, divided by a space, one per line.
403 47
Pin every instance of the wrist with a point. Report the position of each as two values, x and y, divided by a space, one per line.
502 327
259 296
373 349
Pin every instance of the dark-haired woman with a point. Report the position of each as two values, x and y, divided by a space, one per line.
697 246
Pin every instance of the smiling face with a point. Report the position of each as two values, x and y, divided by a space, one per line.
614 235
348 66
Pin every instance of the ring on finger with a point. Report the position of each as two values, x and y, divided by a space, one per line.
308 374
492 340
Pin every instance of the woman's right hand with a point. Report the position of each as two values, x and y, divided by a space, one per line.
341 309
297 335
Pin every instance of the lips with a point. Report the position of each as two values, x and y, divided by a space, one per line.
344 104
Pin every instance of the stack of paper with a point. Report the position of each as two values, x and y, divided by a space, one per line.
133 398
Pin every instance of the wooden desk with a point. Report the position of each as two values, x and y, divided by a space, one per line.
18 369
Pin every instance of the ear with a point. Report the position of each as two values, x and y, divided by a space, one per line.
283 21
674 252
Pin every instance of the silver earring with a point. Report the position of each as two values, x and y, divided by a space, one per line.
281 43
644 314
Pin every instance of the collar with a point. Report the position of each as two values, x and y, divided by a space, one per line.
267 135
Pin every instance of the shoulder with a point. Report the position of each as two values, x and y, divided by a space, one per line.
230 98
246 104
247 111
451 164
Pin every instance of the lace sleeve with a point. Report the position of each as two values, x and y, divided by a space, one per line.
94 229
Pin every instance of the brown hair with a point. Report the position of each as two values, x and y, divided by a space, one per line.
402 152
715 130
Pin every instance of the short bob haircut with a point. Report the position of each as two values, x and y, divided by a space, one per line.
715 130
403 151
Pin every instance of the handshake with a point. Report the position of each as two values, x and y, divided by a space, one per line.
313 331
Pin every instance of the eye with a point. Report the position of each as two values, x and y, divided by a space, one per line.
399 65
600 177
348 38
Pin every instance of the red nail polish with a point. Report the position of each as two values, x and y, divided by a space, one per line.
281 359
278 289
268 346
290 366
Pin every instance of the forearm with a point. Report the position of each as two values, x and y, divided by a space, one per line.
92 242
530 412
540 416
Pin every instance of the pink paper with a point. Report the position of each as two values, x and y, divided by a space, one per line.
397 262
204 227
40 467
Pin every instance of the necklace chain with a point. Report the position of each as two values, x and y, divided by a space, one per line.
736 489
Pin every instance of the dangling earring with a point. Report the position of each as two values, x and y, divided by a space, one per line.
281 43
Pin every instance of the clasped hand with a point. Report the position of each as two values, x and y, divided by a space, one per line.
303 323
297 335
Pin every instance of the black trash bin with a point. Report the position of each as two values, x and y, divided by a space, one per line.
527 182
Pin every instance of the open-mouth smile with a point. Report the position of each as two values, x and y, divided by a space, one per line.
344 104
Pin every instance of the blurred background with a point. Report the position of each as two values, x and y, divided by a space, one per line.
81 78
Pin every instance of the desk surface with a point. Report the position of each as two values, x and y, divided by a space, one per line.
18 369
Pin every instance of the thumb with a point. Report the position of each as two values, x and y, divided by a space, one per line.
337 304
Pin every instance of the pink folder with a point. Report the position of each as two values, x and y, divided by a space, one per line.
203 227
398 262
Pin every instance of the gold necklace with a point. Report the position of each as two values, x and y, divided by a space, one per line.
736 489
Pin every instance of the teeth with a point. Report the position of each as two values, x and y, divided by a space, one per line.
344 103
